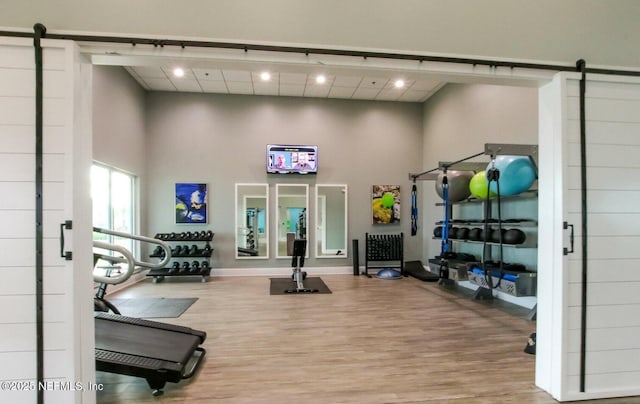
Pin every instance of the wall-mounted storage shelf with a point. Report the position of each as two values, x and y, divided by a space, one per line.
467 214
190 255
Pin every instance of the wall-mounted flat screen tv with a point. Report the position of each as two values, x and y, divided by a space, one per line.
292 159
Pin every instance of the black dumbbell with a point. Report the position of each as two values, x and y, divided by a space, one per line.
204 265
195 267
174 268
185 267
207 251
209 235
193 251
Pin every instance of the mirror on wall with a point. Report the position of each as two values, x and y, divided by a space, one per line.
291 216
252 221
331 221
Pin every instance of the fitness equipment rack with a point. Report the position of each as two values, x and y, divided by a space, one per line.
384 248
189 265
155 351
492 150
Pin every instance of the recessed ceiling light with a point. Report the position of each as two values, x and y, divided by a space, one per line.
265 76
321 79
399 83
178 72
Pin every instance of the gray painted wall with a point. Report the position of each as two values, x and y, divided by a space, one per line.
119 129
221 140
458 121
601 32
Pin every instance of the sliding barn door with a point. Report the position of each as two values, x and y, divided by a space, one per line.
67 306
596 352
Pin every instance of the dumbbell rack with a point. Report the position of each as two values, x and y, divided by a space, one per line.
184 255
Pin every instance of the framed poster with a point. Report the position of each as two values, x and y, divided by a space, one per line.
385 204
191 203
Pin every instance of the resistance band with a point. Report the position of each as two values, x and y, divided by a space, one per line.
414 209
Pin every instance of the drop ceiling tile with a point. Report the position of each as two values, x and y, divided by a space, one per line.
240 87
263 88
292 90
317 90
311 80
392 84
137 78
293 78
188 73
149 72
211 86
373 82
347 81
366 93
255 77
237 75
341 92
189 85
425 85
389 94
160 84
208 74
414 96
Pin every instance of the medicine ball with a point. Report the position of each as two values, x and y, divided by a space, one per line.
517 174
478 185
462 233
458 184
474 234
437 231
514 236
495 235
453 233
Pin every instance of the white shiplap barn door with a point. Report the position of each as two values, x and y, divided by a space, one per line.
612 349
67 320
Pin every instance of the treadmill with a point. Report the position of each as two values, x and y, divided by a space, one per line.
157 352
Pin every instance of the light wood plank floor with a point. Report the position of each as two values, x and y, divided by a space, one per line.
370 341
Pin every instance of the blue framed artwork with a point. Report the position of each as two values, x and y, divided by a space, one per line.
191 203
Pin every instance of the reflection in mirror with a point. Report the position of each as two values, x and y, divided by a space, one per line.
291 216
252 221
331 221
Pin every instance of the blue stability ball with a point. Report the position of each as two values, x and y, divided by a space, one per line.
517 174
388 273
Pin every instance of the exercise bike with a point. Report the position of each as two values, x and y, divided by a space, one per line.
297 262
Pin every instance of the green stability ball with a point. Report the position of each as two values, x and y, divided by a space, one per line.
458 184
387 200
478 186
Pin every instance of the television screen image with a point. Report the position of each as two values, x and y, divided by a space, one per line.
292 159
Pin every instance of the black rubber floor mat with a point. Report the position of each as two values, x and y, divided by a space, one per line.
152 307
284 286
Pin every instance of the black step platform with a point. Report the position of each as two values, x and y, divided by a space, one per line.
155 351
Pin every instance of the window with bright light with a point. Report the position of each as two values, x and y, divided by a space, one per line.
113 197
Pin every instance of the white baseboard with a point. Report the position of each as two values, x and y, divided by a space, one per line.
311 271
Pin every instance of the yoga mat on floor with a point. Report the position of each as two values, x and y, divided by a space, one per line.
153 307
280 285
